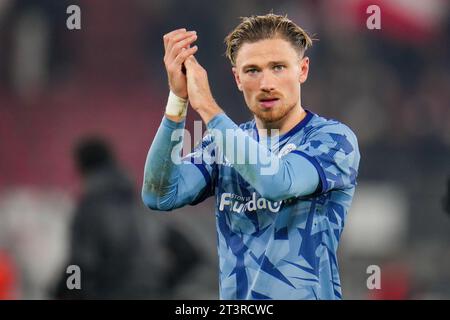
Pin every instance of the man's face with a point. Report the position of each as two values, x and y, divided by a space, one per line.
269 73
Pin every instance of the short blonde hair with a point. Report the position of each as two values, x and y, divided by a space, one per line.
255 28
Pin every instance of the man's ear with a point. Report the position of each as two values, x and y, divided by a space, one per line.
304 69
236 78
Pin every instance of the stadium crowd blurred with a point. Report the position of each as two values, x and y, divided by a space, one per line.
391 86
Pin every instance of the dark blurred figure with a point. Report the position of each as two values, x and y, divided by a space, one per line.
123 253
35 47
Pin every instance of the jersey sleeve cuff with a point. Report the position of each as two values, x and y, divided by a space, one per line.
166 122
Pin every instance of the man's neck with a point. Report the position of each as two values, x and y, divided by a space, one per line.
283 125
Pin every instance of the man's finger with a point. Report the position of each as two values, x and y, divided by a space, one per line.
195 60
191 61
184 55
175 39
185 43
167 36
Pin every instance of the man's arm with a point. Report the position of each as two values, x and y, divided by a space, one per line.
328 160
171 182
273 177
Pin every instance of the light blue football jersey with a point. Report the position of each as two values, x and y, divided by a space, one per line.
283 249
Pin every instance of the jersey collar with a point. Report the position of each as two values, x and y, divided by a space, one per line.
291 132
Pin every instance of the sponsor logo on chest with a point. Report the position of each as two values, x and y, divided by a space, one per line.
241 204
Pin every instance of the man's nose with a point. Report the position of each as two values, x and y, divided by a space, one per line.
267 83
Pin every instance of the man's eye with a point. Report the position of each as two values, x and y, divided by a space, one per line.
251 71
278 67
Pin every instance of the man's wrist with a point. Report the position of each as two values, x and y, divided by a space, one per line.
209 111
176 107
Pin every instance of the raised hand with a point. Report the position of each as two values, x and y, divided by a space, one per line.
197 82
199 92
177 50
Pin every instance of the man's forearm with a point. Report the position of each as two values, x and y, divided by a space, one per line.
273 177
159 167
208 111
169 181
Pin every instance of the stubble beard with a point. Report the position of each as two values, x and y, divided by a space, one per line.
272 118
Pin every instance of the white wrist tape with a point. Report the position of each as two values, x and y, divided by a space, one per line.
176 106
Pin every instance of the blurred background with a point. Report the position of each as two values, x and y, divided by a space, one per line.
107 80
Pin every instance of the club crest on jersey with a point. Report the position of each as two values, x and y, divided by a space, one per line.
286 149
239 204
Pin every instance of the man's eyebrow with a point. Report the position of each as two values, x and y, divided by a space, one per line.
274 63
271 63
248 66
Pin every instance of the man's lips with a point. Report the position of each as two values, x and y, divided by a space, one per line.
268 102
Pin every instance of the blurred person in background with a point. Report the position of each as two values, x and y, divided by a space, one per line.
278 231
36 48
116 246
